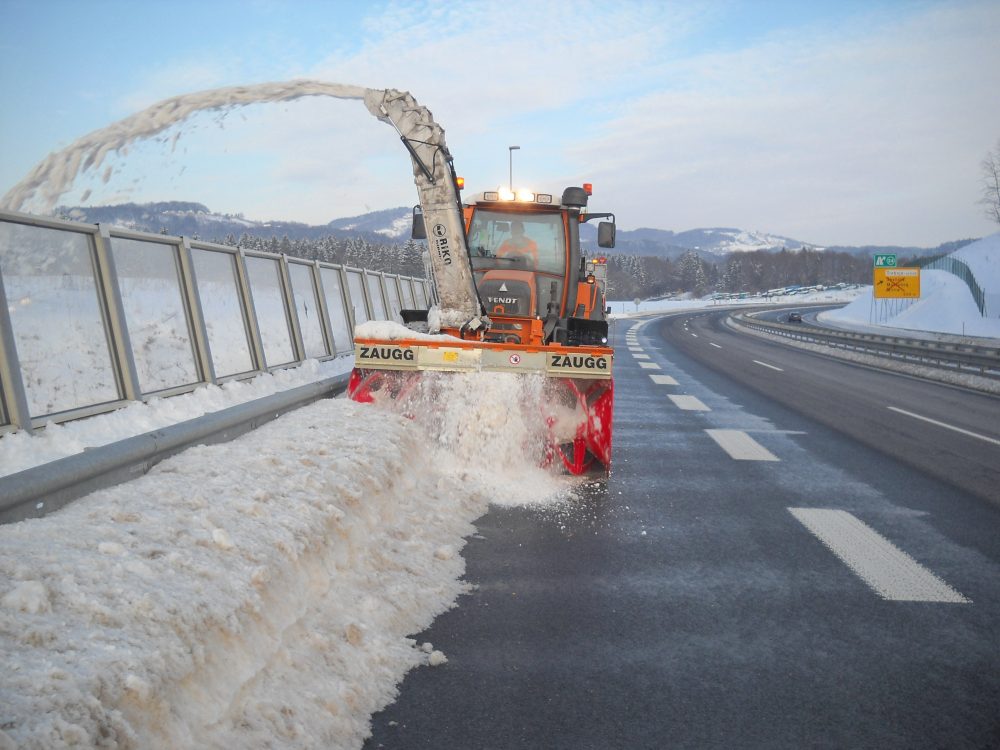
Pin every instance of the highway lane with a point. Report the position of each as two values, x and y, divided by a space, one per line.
943 431
747 577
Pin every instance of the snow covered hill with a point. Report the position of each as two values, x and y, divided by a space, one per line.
182 218
945 306
393 224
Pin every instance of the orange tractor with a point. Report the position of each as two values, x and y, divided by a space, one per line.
515 295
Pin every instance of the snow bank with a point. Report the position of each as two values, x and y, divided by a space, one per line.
257 593
627 309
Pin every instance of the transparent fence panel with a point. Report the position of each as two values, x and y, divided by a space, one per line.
269 302
407 293
375 293
55 314
219 293
155 314
304 291
334 295
392 289
421 295
355 284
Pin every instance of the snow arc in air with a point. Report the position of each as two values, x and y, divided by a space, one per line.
54 175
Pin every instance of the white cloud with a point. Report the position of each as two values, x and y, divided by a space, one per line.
875 137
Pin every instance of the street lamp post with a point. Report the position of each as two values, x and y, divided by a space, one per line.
510 177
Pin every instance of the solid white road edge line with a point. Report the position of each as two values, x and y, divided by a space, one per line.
765 364
689 403
946 426
889 571
741 446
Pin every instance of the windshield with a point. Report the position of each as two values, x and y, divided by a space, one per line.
506 241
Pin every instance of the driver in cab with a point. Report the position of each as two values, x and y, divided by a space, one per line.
519 245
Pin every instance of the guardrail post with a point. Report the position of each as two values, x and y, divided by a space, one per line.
250 312
196 314
324 313
117 327
291 312
15 400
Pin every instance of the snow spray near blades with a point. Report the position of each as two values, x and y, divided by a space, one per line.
487 426
54 175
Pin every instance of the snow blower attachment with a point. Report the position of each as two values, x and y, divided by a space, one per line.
515 296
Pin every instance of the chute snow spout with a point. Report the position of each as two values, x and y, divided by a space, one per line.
435 180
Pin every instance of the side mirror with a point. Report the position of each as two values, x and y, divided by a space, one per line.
606 234
419 231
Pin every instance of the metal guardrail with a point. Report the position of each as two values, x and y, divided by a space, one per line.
958 268
949 353
93 317
34 492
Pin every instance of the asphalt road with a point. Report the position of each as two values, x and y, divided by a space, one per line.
778 560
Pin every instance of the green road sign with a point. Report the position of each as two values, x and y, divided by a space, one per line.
885 261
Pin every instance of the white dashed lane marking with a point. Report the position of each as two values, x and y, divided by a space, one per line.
765 364
944 425
689 403
641 356
649 365
889 571
663 379
741 446
711 343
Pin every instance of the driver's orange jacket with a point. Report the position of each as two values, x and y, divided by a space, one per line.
511 248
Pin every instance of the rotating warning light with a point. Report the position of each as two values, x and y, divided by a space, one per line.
588 188
460 183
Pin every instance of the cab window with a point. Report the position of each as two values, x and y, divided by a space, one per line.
509 241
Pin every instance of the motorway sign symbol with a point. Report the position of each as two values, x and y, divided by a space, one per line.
897 283
885 261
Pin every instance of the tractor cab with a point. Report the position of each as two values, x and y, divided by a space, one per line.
528 268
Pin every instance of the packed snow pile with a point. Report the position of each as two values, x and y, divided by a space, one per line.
257 593
945 306
388 330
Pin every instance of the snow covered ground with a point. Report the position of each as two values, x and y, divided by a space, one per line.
257 593
263 592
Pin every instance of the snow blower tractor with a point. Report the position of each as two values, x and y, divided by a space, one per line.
515 295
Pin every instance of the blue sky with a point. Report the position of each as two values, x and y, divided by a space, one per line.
833 123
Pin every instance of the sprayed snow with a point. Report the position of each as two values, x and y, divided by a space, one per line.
54 176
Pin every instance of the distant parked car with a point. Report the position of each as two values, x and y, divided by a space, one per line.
794 317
